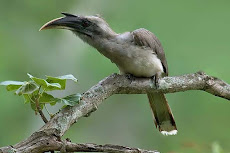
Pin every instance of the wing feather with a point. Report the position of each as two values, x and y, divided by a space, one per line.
143 37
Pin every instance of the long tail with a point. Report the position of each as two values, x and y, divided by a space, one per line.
163 116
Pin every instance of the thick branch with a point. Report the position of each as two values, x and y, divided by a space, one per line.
117 84
44 141
71 147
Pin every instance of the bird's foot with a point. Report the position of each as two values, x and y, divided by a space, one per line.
130 77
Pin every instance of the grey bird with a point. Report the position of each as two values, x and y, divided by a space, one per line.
138 53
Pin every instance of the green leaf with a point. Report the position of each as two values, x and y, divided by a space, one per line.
47 98
33 106
53 86
41 106
27 88
44 84
57 80
26 98
61 80
39 81
53 103
71 100
12 85
68 77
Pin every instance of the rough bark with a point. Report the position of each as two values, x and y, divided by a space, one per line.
49 136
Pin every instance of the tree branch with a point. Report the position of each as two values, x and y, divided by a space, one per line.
43 141
117 84
71 147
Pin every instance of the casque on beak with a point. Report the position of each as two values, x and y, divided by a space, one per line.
70 22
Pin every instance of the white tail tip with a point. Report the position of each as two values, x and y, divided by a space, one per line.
173 132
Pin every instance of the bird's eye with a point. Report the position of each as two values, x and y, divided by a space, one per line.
85 23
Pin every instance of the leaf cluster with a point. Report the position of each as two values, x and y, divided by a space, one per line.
35 91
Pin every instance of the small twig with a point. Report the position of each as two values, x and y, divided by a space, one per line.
50 114
40 111
39 108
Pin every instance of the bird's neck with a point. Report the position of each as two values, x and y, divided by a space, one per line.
111 46
105 45
94 40
102 43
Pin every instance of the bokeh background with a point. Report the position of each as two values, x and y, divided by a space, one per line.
195 35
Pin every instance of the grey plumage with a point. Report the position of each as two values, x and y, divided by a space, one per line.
162 113
146 38
139 53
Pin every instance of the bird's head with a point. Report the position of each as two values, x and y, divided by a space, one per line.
88 26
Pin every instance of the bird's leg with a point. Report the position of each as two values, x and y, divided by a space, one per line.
155 79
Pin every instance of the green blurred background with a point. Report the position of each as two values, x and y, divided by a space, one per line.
195 35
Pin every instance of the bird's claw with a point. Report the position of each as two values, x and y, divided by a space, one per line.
130 77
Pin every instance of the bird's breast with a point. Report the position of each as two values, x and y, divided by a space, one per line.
140 62
132 59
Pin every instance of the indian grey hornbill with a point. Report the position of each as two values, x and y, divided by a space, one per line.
138 53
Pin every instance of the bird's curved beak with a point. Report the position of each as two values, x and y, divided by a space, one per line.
68 22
